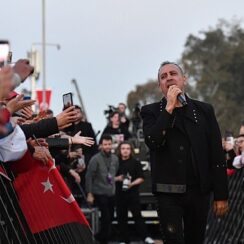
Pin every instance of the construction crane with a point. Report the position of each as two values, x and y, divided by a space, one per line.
74 82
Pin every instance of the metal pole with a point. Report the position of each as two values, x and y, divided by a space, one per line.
33 78
43 56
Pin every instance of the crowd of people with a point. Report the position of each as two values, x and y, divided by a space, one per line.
108 174
234 150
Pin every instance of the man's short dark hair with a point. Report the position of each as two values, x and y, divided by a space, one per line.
122 104
113 113
168 62
105 137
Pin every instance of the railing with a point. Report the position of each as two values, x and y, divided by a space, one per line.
14 228
230 229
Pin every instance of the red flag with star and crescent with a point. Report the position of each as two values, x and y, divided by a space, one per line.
44 197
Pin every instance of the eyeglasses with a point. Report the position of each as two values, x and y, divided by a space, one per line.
239 141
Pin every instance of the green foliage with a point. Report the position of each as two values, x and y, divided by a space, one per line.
144 94
214 61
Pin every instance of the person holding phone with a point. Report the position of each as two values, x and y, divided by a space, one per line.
228 146
239 159
4 52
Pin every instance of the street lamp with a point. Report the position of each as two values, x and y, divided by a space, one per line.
43 54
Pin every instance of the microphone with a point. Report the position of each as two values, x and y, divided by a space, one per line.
182 99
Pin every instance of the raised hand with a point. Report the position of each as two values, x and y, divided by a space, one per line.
66 118
87 141
18 103
172 101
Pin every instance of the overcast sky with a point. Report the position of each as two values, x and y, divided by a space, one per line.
109 46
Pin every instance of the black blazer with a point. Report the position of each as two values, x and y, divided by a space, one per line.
167 149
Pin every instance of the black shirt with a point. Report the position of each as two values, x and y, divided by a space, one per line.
188 160
116 131
132 167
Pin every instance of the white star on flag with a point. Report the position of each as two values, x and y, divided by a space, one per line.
70 199
48 186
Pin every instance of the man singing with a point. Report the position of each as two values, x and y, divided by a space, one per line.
187 159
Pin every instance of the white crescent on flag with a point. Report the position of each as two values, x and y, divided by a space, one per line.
53 167
70 199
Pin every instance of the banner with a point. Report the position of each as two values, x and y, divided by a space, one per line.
39 97
43 195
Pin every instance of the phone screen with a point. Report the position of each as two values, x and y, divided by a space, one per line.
230 139
67 100
4 52
27 98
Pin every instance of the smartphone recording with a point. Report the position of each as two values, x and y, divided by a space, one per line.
67 100
4 52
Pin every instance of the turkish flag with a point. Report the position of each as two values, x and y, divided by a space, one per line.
39 96
43 195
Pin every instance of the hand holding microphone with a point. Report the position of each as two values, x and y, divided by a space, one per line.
174 98
181 98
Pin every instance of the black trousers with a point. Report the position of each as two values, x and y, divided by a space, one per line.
183 217
106 207
124 202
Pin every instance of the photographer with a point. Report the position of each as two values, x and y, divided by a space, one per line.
108 112
128 180
118 132
123 118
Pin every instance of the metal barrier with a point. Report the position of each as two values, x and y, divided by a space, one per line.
13 226
230 229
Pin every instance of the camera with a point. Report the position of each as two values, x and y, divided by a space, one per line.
109 111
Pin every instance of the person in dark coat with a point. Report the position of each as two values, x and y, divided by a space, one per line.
86 131
187 159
